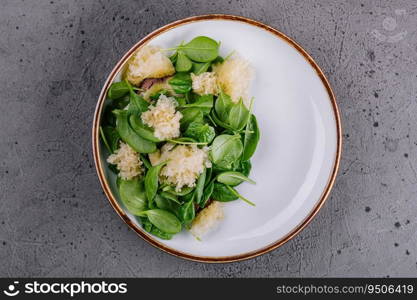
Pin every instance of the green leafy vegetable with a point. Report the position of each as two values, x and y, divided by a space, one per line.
186 141
205 103
222 106
199 68
132 194
152 183
110 138
187 212
164 220
154 230
201 49
239 195
118 90
141 129
170 196
222 193
251 138
200 132
129 136
137 103
225 150
238 116
208 191
189 115
233 178
199 188
181 83
183 63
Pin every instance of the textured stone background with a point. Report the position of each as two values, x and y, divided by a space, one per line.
54 58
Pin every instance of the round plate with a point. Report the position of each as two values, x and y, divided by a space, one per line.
298 155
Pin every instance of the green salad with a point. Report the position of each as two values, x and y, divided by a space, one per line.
180 132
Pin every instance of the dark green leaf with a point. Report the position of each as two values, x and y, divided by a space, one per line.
208 191
152 183
222 193
189 115
118 90
225 150
164 220
141 129
201 49
200 132
181 83
183 63
147 226
199 188
199 68
129 136
233 178
238 116
132 194
170 196
204 102
187 212
137 103
222 106
251 138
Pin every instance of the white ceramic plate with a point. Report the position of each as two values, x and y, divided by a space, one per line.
298 154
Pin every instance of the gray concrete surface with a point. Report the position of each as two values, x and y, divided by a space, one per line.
54 58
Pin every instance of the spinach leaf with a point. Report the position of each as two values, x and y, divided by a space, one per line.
220 123
238 116
204 102
174 57
209 173
244 167
170 196
137 103
222 193
145 161
232 190
186 141
189 115
218 60
187 212
181 83
208 191
183 63
225 150
152 183
141 129
199 68
233 178
182 192
118 90
129 136
147 226
164 220
166 204
251 138
222 106
200 132
199 188
132 194
201 49
110 138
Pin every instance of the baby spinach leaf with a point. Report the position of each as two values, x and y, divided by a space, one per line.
232 190
204 102
182 192
110 138
222 106
166 204
201 49
220 123
199 68
200 132
170 196
233 178
199 188
209 173
222 193
163 220
251 138
208 191
174 57
145 161
244 167
186 141
181 83
189 115
137 103
129 136
218 60
187 212
183 63
225 150
132 194
151 182
238 116
147 226
118 90
141 129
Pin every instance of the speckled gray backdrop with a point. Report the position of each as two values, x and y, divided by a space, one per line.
54 58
